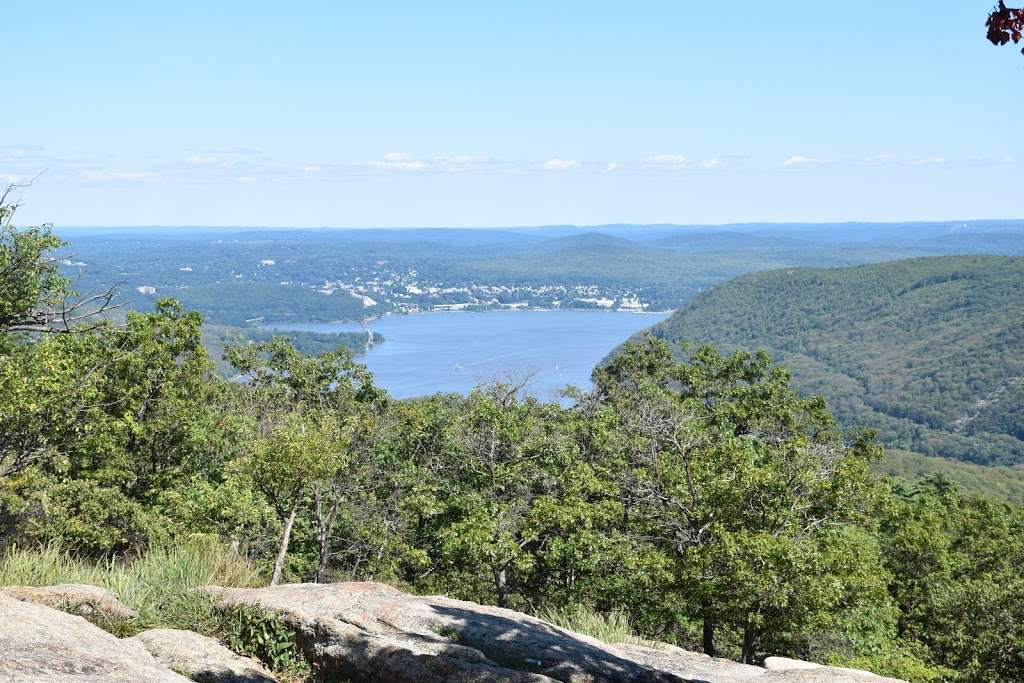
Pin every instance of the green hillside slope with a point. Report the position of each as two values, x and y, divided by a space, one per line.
995 481
928 351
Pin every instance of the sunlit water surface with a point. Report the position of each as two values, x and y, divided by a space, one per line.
431 352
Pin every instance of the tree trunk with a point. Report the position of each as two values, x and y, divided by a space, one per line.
283 550
323 538
749 643
709 637
501 587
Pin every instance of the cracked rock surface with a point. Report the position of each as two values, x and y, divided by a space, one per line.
375 633
201 658
77 598
38 643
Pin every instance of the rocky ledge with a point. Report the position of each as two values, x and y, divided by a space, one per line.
364 632
372 632
39 643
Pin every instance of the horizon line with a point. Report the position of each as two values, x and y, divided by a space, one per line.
543 226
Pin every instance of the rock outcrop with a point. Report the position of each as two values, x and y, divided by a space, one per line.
44 645
76 598
375 633
200 658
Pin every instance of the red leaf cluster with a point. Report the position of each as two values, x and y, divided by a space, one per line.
1005 24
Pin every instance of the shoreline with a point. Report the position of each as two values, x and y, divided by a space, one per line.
395 314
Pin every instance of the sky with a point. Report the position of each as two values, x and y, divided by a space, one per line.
503 114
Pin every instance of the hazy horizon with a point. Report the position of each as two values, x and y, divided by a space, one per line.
547 226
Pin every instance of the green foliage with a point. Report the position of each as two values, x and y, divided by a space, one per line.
926 351
254 632
218 338
31 285
996 481
712 439
955 561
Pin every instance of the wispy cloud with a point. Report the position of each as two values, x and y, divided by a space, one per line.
921 160
679 162
801 161
669 161
464 163
557 164
399 161
20 163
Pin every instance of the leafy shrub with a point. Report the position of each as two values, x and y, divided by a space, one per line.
251 631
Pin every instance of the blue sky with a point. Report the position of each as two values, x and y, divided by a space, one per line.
516 113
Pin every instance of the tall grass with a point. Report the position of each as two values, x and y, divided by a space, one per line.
159 585
614 627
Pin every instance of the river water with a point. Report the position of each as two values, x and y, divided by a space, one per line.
431 352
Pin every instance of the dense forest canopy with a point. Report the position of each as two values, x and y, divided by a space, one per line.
926 351
695 492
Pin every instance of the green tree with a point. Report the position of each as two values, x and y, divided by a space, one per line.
337 391
955 564
294 454
495 487
747 487
34 296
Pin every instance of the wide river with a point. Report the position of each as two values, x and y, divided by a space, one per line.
430 352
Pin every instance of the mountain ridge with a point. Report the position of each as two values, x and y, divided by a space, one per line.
923 350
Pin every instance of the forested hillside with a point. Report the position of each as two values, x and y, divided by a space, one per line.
927 351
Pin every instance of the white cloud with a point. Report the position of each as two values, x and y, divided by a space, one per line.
399 161
678 162
800 161
929 160
560 164
669 161
1008 160
612 166
311 169
926 161
10 178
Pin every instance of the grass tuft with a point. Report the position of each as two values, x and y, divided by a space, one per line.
160 585
613 627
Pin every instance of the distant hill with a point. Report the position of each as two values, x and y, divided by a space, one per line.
723 240
586 240
928 350
1003 243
